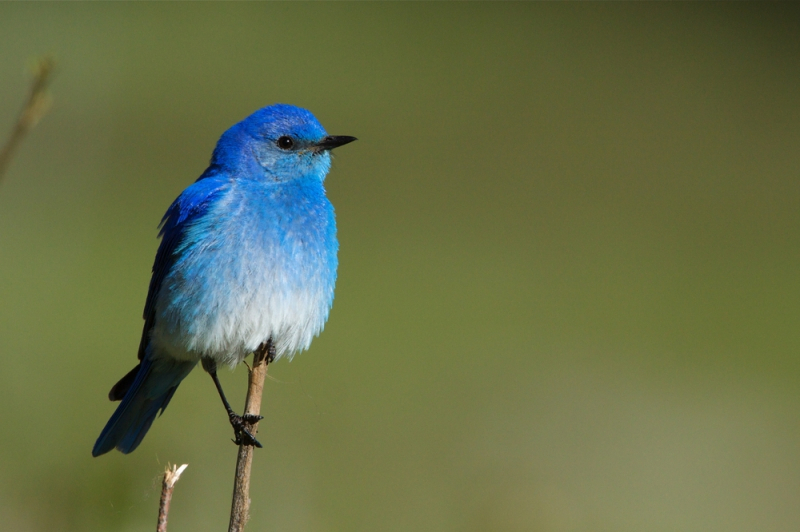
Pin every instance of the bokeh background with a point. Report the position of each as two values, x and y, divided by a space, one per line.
568 290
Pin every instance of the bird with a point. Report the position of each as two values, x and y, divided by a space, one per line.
247 261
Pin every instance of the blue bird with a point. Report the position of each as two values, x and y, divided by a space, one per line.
247 262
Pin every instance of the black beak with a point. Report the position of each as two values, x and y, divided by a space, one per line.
334 141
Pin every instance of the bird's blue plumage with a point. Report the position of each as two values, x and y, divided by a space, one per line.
150 392
248 253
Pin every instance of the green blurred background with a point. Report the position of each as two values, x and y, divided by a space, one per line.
568 289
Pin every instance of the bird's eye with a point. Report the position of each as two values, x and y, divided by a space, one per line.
285 143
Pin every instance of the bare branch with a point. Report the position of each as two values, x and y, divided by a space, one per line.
171 476
240 506
35 108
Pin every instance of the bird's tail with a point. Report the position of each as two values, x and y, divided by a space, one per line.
150 392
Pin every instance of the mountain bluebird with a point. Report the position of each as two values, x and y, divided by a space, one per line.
247 261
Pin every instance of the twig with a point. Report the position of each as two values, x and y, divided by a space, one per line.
240 506
35 108
171 476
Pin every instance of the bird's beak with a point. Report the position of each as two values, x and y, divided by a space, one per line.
334 141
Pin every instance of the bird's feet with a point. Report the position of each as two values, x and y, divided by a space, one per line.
241 428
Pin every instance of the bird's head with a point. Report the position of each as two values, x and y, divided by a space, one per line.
280 142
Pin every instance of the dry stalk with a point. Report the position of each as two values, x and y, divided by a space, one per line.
171 476
240 505
35 108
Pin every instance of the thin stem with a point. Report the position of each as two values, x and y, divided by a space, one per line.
171 476
240 505
35 108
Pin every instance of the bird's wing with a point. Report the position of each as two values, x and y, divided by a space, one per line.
184 211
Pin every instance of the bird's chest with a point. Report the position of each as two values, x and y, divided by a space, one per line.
263 265
280 246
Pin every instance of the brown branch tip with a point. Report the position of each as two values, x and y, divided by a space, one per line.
171 476
39 99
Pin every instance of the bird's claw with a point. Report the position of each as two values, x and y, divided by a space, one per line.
241 429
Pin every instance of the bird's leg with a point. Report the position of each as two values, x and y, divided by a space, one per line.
239 423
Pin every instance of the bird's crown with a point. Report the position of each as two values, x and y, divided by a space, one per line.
277 140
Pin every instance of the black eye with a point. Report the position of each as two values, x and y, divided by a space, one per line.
285 143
